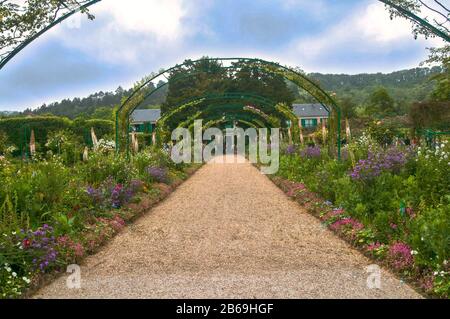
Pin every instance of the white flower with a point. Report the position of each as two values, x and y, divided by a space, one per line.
414 252
14 274
435 273
8 269
26 280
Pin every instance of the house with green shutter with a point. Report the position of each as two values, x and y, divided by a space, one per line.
311 115
144 121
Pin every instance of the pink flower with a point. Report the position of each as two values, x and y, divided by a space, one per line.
410 212
393 226
295 188
78 250
349 222
400 256
374 246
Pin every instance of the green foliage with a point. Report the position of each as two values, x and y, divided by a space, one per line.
442 89
430 234
382 132
380 103
14 128
49 129
101 166
409 204
102 128
52 210
433 115
210 77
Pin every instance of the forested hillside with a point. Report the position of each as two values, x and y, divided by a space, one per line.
404 86
97 105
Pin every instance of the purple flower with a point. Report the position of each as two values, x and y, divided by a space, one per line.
41 245
391 160
290 150
311 152
158 174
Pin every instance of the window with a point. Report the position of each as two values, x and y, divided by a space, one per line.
310 123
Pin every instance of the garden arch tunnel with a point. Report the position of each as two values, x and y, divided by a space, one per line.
142 92
290 74
256 109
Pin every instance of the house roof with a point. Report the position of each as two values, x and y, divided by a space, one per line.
152 115
310 110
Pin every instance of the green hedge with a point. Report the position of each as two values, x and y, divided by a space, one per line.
15 128
102 128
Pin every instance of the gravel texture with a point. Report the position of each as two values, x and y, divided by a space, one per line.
227 232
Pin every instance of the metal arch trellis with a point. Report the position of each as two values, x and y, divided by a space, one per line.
231 102
294 76
423 22
275 67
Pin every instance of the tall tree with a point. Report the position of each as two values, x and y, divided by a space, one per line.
203 77
380 103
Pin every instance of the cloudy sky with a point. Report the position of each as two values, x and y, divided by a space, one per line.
132 38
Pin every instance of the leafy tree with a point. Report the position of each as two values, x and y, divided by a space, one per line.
3 142
380 103
348 106
435 115
210 77
193 80
105 113
442 89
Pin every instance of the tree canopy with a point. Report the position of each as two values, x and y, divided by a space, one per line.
196 79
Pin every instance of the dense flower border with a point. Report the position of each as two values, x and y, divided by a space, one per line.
96 234
398 256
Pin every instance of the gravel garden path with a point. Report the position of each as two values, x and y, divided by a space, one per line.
227 232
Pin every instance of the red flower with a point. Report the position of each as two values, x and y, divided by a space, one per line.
26 243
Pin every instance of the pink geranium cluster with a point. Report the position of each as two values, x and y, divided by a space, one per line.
400 256
295 188
374 246
348 223
70 248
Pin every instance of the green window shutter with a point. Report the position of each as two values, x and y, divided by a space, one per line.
314 122
303 123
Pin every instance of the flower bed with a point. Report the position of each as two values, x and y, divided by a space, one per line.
390 202
53 215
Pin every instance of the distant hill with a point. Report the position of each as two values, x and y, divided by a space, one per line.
405 87
88 106
408 85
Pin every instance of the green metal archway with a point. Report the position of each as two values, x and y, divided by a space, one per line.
141 93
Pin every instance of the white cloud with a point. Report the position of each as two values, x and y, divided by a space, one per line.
366 30
133 32
162 18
